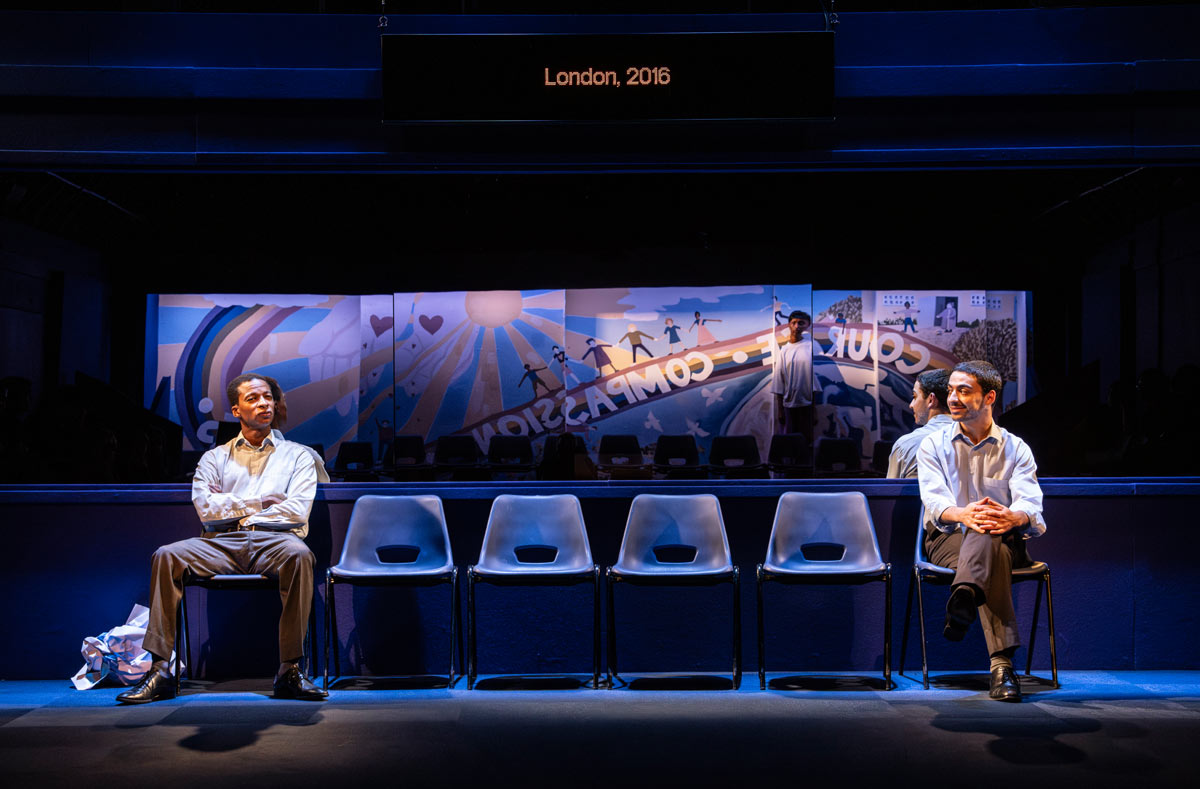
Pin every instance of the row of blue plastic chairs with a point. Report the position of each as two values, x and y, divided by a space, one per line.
820 538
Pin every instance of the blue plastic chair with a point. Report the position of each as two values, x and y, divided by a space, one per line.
394 541
826 539
675 541
534 541
925 571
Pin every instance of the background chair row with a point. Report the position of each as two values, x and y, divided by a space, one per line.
565 457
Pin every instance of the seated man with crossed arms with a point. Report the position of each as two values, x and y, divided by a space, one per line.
253 495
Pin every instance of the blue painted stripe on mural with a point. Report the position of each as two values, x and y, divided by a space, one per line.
453 411
541 342
176 324
324 428
580 324
511 370
291 374
302 320
549 314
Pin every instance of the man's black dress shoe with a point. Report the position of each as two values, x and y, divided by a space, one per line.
1004 685
294 685
961 610
155 686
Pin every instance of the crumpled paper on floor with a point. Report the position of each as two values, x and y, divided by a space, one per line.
117 653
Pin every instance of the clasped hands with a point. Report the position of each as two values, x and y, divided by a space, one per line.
986 516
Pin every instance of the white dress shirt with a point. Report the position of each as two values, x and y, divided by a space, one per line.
231 481
953 473
902 462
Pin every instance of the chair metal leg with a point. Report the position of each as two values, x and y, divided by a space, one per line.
329 603
187 641
470 629
762 639
1050 621
921 619
310 640
455 629
1037 605
179 636
595 627
612 631
907 624
887 629
737 629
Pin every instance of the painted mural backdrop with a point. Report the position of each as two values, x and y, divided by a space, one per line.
642 361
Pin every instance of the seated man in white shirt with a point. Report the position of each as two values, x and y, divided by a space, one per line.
929 407
253 495
982 498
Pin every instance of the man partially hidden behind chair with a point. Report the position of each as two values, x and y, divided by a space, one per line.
982 500
253 496
929 407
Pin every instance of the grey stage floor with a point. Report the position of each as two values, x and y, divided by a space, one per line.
1099 729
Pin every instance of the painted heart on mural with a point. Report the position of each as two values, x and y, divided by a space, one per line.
431 325
380 325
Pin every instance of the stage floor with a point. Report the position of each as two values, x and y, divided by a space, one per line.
1103 728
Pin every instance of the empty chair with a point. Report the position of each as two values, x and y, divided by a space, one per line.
674 541
510 454
565 457
677 457
534 541
459 456
407 461
925 572
837 457
736 457
880 456
620 457
393 541
826 539
790 455
355 462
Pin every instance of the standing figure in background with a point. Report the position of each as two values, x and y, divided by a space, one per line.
792 380
671 332
948 317
703 335
909 311
634 336
601 358
560 356
532 374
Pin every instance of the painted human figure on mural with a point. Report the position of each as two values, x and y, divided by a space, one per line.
634 336
703 335
840 320
532 374
560 356
948 317
671 332
908 312
601 358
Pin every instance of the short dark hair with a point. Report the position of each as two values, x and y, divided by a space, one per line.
984 372
231 392
801 314
936 383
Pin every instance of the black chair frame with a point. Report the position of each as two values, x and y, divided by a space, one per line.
331 637
1038 571
839 579
183 643
563 579
715 579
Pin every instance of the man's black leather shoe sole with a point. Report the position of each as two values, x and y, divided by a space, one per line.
1004 685
294 685
155 686
961 611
